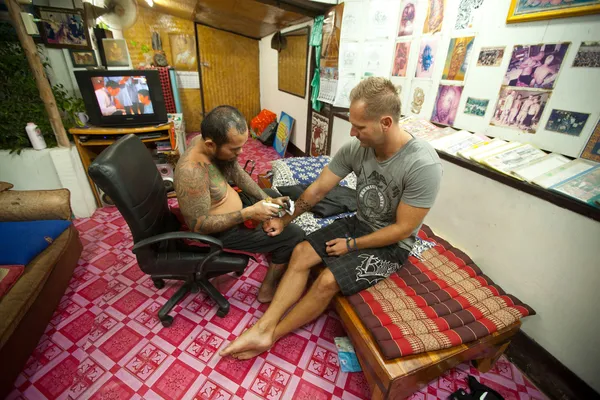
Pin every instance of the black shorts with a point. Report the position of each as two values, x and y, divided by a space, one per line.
360 269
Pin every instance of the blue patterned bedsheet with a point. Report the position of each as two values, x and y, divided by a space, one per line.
304 171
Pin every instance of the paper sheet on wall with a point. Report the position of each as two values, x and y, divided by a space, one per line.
382 19
377 59
469 14
188 80
327 90
345 86
352 23
349 57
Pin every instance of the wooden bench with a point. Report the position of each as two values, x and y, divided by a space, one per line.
401 377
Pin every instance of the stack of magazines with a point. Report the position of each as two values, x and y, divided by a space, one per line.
578 179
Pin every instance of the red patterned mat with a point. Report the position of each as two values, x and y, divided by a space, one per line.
105 341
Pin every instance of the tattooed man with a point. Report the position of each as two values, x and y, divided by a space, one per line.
398 178
210 206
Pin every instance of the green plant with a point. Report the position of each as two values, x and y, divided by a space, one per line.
20 100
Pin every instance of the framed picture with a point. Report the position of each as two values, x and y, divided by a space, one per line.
183 52
64 28
284 131
115 52
319 135
591 151
83 58
567 122
535 66
527 10
519 108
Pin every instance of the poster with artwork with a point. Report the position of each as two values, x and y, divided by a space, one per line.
344 87
588 55
468 10
319 135
476 107
115 52
407 18
457 60
419 94
349 57
381 22
427 56
64 28
591 150
352 25
446 103
567 122
376 59
401 59
284 131
535 66
520 108
490 56
435 16
537 10
183 52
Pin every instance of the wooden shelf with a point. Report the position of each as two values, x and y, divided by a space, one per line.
94 130
108 142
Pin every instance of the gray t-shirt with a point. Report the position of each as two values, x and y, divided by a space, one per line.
412 175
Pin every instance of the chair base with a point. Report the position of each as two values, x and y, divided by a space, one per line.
187 287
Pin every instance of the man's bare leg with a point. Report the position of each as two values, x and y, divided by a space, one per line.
260 336
310 307
269 284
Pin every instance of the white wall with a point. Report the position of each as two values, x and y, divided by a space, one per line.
545 255
50 169
272 99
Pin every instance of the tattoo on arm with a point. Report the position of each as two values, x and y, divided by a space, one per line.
192 185
247 184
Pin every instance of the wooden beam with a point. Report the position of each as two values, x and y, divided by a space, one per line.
309 12
39 74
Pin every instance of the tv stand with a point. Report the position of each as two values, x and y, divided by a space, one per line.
91 141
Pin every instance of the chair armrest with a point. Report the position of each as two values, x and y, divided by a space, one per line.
178 235
31 205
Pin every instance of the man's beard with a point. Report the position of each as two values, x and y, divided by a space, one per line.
226 166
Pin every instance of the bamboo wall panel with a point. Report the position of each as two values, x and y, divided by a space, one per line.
150 20
291 68
229 70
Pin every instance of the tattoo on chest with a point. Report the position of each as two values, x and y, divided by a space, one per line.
218 184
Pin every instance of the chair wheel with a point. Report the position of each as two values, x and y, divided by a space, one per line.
167 321
222 313
159 283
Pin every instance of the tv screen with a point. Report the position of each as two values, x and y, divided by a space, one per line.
114 98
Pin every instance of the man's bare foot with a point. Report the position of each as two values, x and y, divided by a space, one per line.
266 292
253 341
246 355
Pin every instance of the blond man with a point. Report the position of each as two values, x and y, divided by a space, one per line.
398 178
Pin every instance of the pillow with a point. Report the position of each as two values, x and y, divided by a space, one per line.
21 241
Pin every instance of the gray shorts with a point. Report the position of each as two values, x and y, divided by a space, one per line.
360 269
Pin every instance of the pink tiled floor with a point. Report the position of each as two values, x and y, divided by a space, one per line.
105 341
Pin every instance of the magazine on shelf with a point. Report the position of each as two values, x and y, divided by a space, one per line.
449 140
564 172
480 155
417 127
466 153
465 144
584 186
540 166
508 160
436 134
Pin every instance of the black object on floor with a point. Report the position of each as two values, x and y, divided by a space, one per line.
478 392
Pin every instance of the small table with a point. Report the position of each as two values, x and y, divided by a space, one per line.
401 377
100 138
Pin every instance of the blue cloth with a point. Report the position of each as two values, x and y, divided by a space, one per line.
20 242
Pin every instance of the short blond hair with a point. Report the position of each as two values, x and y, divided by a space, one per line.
380 97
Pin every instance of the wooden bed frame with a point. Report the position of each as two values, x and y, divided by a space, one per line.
401 377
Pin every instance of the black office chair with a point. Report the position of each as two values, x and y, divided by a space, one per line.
125 172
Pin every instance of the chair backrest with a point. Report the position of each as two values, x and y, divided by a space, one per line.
126 172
